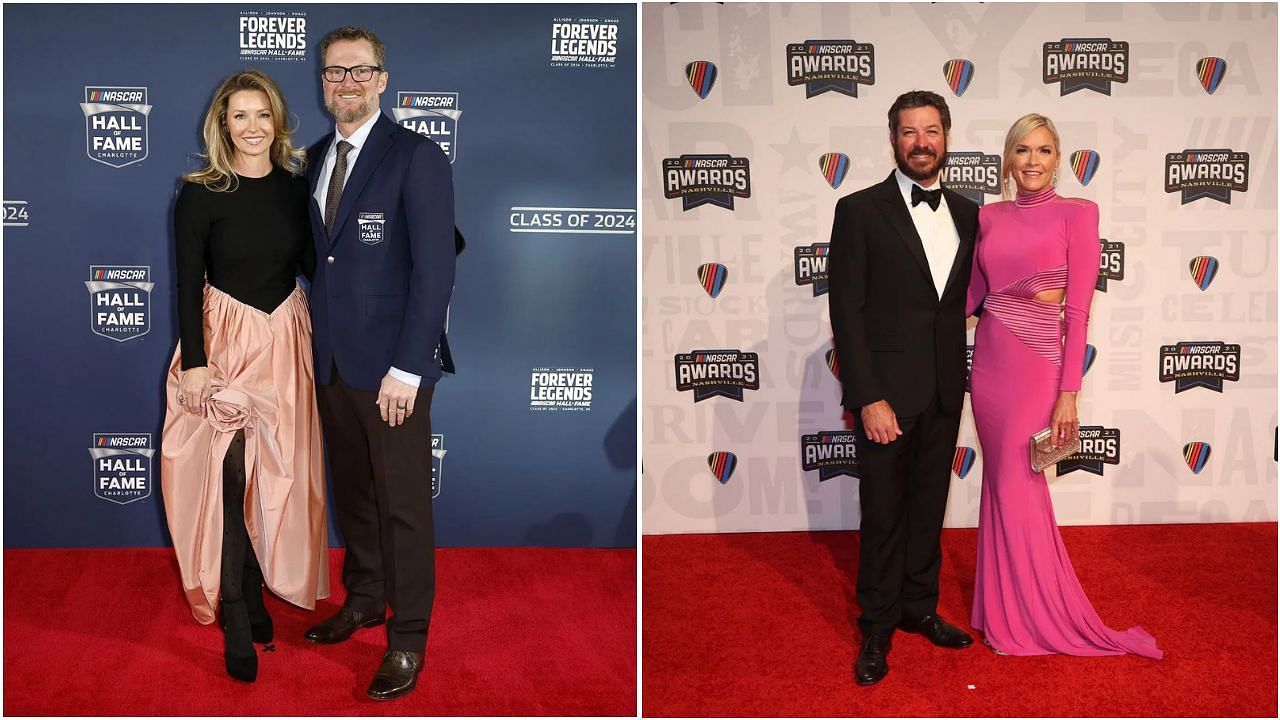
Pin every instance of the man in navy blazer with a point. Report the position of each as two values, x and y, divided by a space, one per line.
382 221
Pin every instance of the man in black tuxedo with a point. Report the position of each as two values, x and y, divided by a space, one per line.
901 252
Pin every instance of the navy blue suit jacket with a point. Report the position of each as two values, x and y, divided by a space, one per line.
384 277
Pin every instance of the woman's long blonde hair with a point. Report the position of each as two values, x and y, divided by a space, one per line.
1020 129
219 174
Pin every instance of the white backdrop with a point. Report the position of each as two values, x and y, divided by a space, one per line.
1158 106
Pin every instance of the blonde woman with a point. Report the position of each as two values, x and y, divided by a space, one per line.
241 468
1034 271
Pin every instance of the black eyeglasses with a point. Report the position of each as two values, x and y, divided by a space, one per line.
359 73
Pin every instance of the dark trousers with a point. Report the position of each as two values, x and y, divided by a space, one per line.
904 497
382 498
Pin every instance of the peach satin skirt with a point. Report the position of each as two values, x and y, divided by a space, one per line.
263 383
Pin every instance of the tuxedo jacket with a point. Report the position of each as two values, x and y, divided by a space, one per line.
385 275
896 340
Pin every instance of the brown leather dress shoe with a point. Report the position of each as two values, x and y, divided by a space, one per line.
397 675
343 625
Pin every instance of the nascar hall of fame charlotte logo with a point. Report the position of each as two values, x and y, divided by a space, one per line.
832 453
712 373
561 389
122 466
273 35
1098 446
831 66
811 266
1209 174
1199 364
431 114
972 174
706 180
1110 264
1086 64
584 42
120 300
437 464
115 124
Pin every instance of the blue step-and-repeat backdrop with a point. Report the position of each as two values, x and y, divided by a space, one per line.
536 107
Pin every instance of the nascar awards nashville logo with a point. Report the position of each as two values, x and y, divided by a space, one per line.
1110 264
1209 174
122 466
811 266
1098 446
1086 64
831 66
120 300
706 180
831 453
115 124
431 114
972 174
1197 363
712 373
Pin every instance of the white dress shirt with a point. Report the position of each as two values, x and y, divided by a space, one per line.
937 231
357 139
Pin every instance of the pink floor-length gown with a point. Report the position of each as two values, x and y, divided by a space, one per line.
1027 599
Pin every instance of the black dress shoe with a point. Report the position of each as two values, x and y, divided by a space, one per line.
343 625
873 662
397 675
241 658
939 631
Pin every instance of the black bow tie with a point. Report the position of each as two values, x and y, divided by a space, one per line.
933 197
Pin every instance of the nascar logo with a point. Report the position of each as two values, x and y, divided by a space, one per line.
1084 163
1090 354
833 363
722 465
1210 71
811 266
832 453
701 75
962 462
830 66
958 74
712 277
833 167
431 114
1196 454
1204 269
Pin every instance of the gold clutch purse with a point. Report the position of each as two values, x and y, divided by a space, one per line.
1044 454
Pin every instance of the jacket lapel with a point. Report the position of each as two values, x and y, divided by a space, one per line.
315 161
961 216
895 211
375 148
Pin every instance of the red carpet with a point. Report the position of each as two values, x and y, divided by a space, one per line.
763 624
515 631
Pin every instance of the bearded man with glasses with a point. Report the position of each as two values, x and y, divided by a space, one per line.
382 223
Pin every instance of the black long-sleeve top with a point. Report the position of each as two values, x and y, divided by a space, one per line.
249 242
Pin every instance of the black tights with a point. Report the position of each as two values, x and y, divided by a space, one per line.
239 564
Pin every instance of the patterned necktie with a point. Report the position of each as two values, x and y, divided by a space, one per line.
335 185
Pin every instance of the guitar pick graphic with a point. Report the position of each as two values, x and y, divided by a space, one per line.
833 362
963 461
722 465
712 276
1196 454
1211 70
958 74
833 167
702 76
1203 269
1090 354
1084 163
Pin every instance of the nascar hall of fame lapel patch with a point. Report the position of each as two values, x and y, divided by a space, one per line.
1086 64
370 227
706 180
1199 363
811 266
437 464
120 300
722 373
1209 174
115 124
1098 446
972 174
831 66
431 114
832 453
122 466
